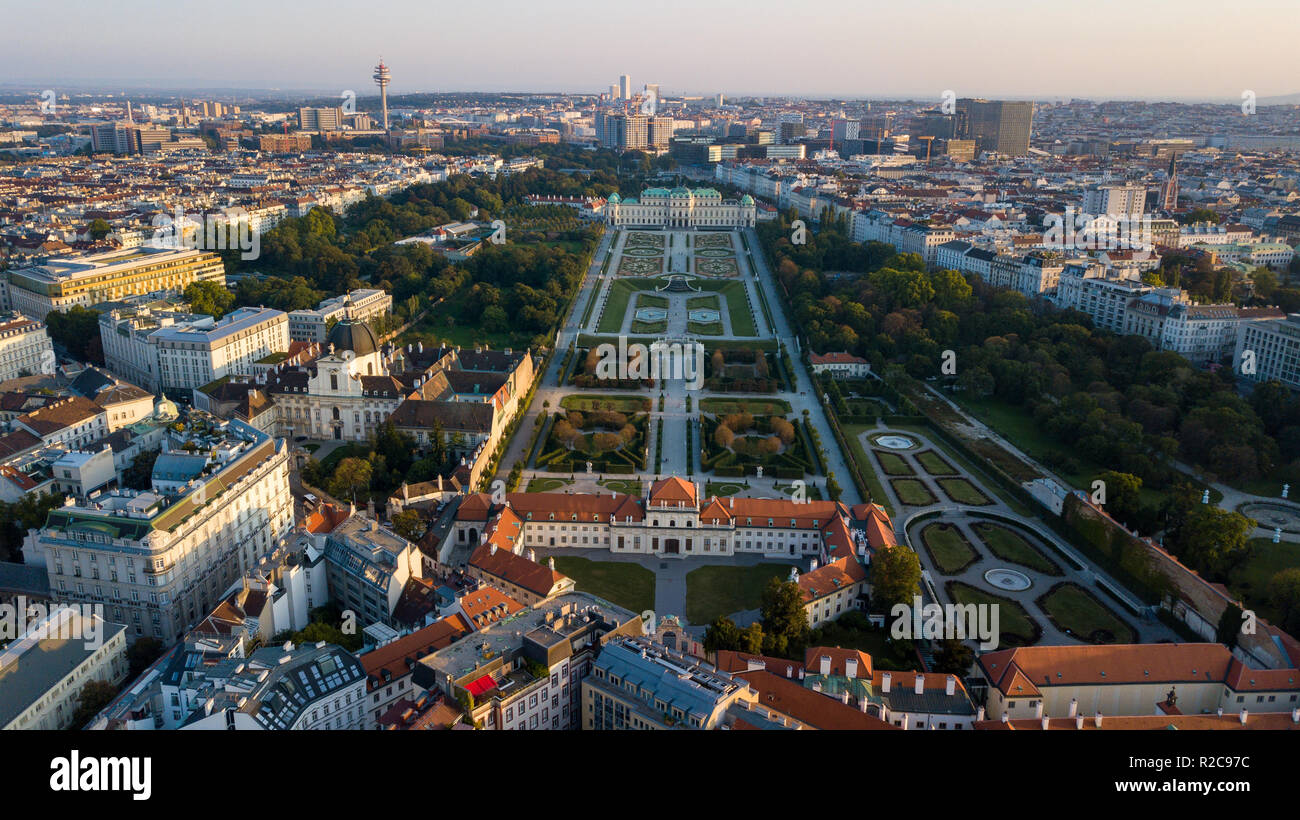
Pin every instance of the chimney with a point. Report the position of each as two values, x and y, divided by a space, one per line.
550 562
884 683
1244 713
825 667
1078 722
951 688
1038 710
920 683
1006 718
1220 712
1045 724
844 697
1295 715
862 705
851 667
1074 707
1096 721
494 550
979 715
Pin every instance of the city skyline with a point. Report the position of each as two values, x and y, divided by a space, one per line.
532 50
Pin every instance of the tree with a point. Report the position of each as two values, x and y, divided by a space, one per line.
785 624
895 577
1229 626
77 331
1284 596
99 229
953 657
143 652
95 695
409 525
351 476
139 475
721 634
1122 495
1213 541
209 298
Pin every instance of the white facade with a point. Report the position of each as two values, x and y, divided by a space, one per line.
25 347
362 305
681 208
201 350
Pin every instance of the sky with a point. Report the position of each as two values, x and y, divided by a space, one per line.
1103 49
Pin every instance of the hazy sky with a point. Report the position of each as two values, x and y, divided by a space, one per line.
1162 49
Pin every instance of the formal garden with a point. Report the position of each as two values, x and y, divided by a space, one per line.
1015 625
1079 614
948 548
738 444
740 370
610 440
1011 546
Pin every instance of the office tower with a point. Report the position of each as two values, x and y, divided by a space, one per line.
660 131
842 130
320 119
998 125
111 136
383 77
652 90
624 87
625 131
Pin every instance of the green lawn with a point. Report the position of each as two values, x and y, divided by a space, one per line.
742 318
704 329
912 492
1073 608
1015 626
759 407
628 486
546 485
724 488
811 493
934 463
586 402
1267 559
948 548
720 590
884 651
963 492
853 433
631 586
616 301
1010 546
894 464
710 301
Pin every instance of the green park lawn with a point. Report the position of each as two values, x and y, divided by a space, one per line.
1015 626
546 485
1073 608
759 407
934 463
963 492
912 492
1010 546
894 464
586 402
948 548
631 586
721 590
1250 580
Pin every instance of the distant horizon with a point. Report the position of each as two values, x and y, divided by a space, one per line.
1102 50
100 88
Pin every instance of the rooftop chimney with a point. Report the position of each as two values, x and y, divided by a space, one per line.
1074 707
1096 721
1045 724
1243 717
952 685
979 714
1078 722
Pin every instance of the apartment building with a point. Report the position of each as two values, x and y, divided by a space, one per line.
25 348
159 560
368 567
905 235
1115 200
1270 349
202 349
526 671
43 671
361 305
60 284
638 684
305 687
390 667
73 421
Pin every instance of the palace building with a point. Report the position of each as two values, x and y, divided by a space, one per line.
675 520
680 208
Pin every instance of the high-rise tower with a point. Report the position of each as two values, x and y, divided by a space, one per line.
382 78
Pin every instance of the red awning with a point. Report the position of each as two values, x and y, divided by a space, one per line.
483 684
